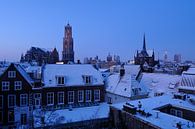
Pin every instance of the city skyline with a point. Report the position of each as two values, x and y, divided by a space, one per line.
99 27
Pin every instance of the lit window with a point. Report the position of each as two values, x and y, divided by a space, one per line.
60 80
80 95
11 100
1 101
70 97
88 95
23 100
23 118
96 95
11 116
11 74
50 98
5 86
60 97
18 85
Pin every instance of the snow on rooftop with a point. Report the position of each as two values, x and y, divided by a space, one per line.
119 85
124 85
164 120
73 74
132 69
191 70
159 82
76 115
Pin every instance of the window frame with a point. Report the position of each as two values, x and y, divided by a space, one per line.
69 97
5 84
16 85
9 116
11 74
22 98
97 90
60 79
86 96
59 98
21 120
9 100
52 99
81 91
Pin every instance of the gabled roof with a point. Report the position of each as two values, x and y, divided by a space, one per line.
73 74
24 73
21 71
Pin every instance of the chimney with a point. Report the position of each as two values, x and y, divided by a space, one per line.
157 114
78 62
122 72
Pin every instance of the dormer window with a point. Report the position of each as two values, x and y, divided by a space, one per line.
60 80
87 79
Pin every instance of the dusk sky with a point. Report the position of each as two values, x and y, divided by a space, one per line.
99 27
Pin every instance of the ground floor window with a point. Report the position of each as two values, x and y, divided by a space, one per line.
96 95
11 116
80 96
60 97
88 96
50 98
23 119
70 97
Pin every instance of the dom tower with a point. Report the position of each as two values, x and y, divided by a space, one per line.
68 52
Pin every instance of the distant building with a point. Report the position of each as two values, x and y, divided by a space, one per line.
165 57
109 58
68 52
177 58
40 55
145 58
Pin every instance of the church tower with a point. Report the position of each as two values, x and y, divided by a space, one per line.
68 52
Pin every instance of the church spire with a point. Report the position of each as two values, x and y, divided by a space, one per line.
144 43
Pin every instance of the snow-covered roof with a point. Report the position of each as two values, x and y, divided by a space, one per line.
31 69
191 70
123 85
119 85
23 73
159 82
164 120
132 69
76 115
73 74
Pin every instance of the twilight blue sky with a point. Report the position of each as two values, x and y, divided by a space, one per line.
99 26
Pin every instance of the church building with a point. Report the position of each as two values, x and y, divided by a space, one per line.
68 52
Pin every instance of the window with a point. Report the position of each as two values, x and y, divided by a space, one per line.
11 74
1 101
60 80
88 95
11 116
23 100
96 95
11 101
5 86
87 79
1 117
50 98
23 118
37 95
177 113
18 85
70 97
60 97
80 95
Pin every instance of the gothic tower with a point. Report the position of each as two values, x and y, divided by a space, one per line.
68 52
